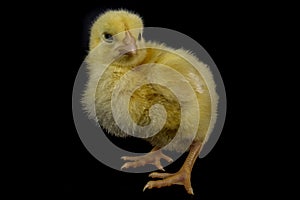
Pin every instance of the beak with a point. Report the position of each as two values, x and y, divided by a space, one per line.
129 45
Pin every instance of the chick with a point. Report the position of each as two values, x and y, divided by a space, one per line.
116 47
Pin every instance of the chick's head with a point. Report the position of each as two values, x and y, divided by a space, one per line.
118 34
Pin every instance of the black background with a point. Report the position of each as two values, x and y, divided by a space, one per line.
221 172
60 42
44 44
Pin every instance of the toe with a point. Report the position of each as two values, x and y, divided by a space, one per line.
158 165
179 178
190 191
125 166
159 183
159 175
130 158
133 164
167 158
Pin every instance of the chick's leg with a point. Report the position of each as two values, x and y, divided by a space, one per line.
152 157
182 177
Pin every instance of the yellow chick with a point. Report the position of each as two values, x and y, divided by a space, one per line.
117 47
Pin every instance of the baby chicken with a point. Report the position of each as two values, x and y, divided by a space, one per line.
117 47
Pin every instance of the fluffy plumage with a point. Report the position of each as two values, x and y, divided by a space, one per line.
126 56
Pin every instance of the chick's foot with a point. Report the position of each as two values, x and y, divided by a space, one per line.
152 158
182 177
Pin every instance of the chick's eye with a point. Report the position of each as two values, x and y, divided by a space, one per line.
108 37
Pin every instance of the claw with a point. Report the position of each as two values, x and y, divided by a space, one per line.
124 157
191 191
146 187
162 169
125 166
159 166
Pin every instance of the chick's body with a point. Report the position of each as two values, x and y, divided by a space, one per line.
150 94
105 76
